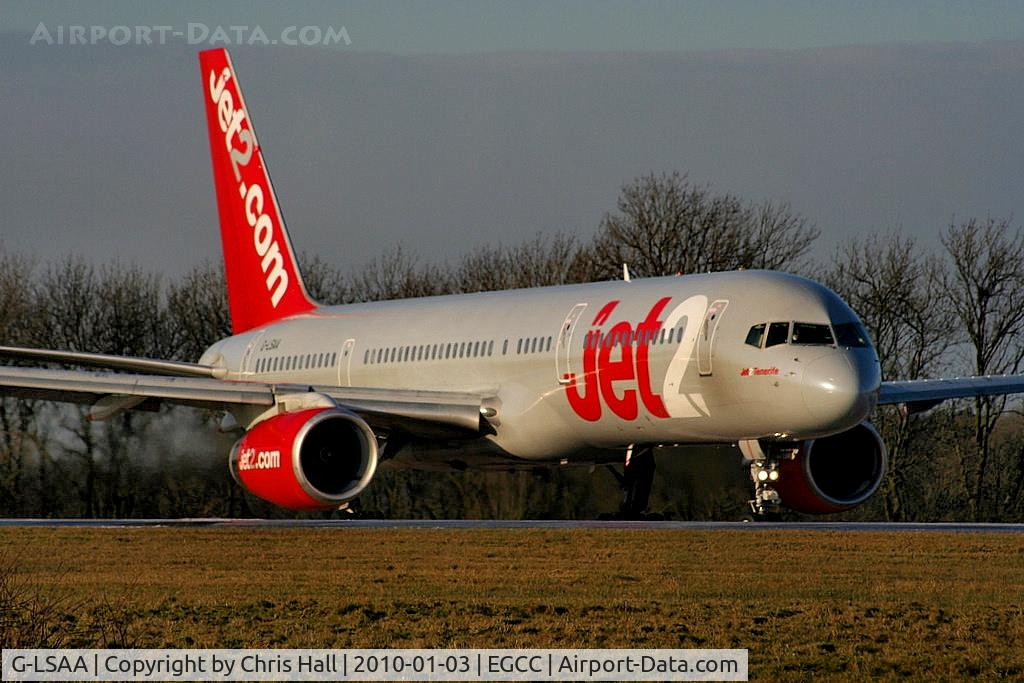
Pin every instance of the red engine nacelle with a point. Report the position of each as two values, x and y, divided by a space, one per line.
835 473
308 460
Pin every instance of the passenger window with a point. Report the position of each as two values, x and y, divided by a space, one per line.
756 335
807 334
778 333
490 348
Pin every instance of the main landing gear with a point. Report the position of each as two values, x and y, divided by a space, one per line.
635 480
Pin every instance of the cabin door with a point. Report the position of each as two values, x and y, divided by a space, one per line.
706 336
563 367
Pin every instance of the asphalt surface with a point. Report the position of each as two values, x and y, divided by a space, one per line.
853 527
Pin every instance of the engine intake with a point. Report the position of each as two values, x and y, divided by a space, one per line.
835 473
313 459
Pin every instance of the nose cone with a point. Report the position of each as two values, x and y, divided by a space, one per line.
841 387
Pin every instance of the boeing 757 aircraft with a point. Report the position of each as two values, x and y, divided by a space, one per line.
587 374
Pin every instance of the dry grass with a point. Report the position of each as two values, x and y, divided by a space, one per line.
806 604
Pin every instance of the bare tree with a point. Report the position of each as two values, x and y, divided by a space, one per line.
985 289
198 307
893 287
666 225
538 262
777 238
18 438
397 275
324 282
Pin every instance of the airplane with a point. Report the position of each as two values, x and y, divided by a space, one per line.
590 374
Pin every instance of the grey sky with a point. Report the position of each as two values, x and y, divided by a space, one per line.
446 125
448 26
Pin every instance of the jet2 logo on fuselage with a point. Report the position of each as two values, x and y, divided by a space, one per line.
608 360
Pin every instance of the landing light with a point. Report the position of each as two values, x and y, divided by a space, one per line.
773 475
762 475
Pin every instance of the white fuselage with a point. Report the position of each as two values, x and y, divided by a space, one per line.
579 372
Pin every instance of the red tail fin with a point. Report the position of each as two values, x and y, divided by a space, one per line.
264 283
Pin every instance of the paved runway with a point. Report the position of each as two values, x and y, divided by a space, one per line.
515 524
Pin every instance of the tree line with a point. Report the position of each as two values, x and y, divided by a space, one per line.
955 309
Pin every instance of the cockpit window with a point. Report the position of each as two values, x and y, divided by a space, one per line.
755 335
807 334
852 335
778 333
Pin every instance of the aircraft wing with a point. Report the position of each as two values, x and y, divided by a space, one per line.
103 360
422 413
922 394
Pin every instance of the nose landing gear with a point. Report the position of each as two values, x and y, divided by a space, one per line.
766 501
764 472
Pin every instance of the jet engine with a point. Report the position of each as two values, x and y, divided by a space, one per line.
314 459
833 474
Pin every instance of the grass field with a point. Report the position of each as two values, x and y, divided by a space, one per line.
806 604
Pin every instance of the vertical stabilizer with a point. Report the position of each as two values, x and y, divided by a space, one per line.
263 279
